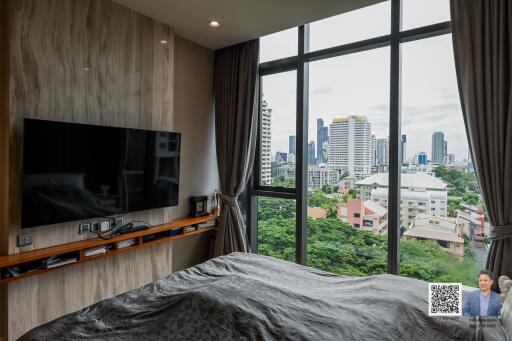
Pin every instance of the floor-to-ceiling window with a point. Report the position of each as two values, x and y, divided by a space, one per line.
363 164
442 215
348 119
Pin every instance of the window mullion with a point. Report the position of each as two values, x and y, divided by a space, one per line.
394 142
301 163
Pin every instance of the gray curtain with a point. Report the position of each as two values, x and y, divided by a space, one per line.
236 122
482 41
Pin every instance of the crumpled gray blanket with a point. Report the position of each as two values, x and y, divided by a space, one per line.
253 297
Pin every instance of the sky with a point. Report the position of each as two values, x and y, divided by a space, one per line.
358 84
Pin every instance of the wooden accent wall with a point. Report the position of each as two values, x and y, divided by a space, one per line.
85 61
4 125
4 152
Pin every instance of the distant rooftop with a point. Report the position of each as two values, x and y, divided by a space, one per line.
375 207
346 119
316 212
408 180
436 228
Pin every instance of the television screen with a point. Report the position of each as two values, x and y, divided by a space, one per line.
77 171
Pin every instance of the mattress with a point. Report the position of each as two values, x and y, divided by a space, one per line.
253 297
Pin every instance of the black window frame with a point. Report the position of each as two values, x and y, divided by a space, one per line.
300 63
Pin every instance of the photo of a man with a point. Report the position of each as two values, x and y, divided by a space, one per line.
483 302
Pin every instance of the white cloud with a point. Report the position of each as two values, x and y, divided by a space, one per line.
359 83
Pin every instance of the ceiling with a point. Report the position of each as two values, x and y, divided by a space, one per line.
241 20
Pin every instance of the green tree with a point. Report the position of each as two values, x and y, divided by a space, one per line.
282 181
319 199
471 198
273 208
340 248
327 189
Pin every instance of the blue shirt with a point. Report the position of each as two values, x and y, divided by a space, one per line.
484 303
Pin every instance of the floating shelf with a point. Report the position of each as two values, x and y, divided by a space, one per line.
78 248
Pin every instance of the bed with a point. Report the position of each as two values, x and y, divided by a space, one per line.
253 297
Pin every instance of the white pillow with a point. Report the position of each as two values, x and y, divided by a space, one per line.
506 312
505 283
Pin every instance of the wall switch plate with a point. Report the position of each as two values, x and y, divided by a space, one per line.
84 229
24 239
104 226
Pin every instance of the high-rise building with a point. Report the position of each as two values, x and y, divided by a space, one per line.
322 141
439 148
350 145
266 143
382 153
403 154
292 145
319 176
311 153
471 165
422 158
449 159
281 157
374 151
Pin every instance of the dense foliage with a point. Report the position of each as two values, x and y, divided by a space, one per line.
463 187
338 247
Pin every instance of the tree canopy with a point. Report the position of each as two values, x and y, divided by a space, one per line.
340 248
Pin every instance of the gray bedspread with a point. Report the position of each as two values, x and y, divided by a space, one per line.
252 297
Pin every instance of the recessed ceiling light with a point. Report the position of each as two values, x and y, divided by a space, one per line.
86 68
214 23
163 41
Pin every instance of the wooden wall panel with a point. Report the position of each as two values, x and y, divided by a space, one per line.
4 125
4 151
3 312
86 61
52 293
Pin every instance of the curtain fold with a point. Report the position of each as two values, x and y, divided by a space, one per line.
482 42
236 123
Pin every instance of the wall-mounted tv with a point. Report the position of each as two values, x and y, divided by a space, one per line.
79 171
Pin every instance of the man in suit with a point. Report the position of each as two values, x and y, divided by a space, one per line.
483 302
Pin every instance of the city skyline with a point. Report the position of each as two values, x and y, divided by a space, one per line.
430 100
382 150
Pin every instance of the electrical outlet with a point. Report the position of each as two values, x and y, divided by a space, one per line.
95 227
84 229
24 239
118 222
104 226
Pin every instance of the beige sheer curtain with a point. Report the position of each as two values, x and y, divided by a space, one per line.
482 42
236 122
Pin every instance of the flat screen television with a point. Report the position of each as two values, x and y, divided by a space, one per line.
79 171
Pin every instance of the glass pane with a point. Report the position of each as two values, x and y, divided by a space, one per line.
278 117
443 221
276 228
418 13
279 45
347 188
367 22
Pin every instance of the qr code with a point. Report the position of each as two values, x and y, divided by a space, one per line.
445 299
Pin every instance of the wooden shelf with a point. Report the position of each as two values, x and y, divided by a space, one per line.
81 246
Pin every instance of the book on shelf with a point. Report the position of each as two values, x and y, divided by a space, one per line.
206 225
124 243
56 261
189 228
96 250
